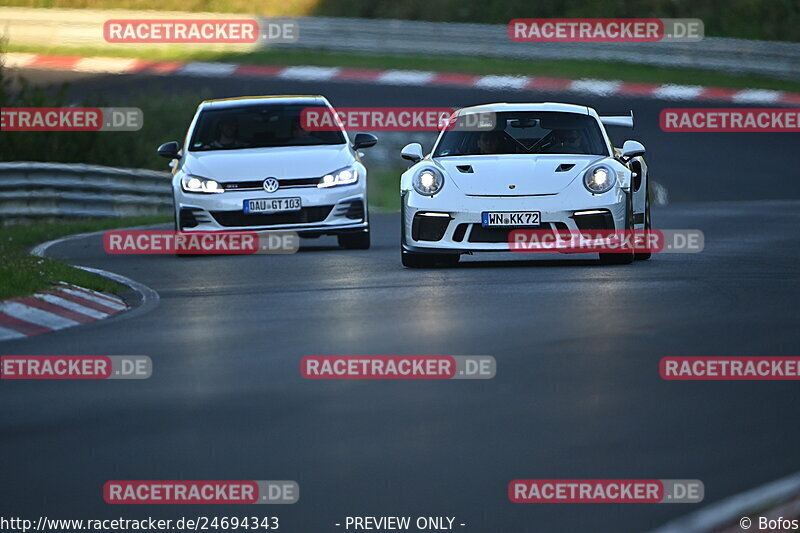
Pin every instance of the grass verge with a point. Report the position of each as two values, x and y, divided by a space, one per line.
383 188
570 69
22 274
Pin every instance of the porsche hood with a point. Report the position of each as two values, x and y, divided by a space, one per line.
515 175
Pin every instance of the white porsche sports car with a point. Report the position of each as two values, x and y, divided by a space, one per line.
248 164
544 166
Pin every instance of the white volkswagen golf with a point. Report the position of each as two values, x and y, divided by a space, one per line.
548 167
248 164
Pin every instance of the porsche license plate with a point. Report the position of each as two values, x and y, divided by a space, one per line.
510 218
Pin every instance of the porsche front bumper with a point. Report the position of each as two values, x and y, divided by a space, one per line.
436 227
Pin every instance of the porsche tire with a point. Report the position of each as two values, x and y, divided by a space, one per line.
622 258
644 256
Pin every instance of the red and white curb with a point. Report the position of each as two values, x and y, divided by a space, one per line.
62 307
68 305
111 65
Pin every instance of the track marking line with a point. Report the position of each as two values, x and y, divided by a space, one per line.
21 326
309 73
207 69
57 307
83 301
92 314
18 60
36 316
7 334
598 87
678 92
405 77
503 82
757 96
104 302
105 65
106 297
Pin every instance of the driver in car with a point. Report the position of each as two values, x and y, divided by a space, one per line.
490 142
298 131
227 134
566 142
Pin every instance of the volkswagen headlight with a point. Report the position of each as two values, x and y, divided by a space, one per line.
343 176
428 181
191 183
599 179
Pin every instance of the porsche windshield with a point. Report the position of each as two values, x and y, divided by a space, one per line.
528 132
257 126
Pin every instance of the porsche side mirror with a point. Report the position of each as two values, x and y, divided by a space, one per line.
412 152
631 149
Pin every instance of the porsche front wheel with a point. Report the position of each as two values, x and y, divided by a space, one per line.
643 256
622 258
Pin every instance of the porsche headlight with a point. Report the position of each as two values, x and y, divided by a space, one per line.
428 181
343 176
599 179
191 183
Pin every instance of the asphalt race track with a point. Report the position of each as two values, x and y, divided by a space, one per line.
693 166
577 392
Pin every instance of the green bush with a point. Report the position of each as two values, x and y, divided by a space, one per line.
752 19
165 119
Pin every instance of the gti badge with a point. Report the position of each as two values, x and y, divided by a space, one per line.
271 185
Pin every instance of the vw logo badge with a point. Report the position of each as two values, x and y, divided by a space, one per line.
271 185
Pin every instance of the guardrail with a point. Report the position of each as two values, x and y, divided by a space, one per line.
84 27
379 36
31 190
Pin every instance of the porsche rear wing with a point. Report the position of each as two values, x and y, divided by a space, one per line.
625 121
